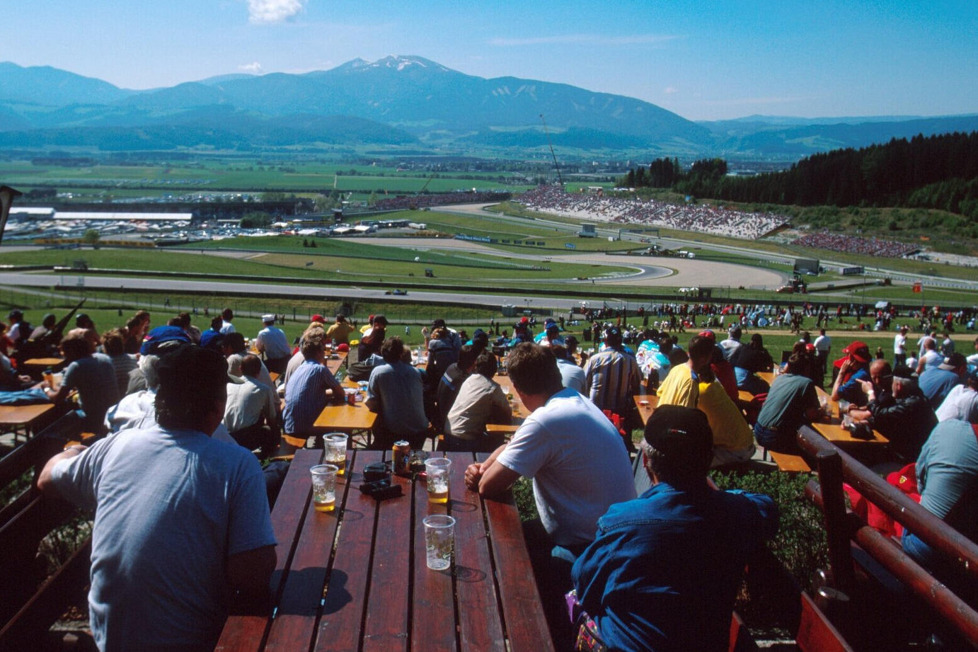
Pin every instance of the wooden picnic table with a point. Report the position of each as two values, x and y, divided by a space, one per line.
645 405
336 360
345 418
29 418
356 578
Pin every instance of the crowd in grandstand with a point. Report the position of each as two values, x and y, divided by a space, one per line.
404 202
650 212
855 245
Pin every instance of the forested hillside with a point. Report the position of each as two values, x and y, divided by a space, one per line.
939 172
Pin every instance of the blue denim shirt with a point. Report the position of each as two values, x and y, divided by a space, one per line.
664 569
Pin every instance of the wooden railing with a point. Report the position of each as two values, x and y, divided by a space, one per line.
843 528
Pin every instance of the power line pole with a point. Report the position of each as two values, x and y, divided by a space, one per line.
556 167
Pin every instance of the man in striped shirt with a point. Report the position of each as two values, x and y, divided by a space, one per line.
612 375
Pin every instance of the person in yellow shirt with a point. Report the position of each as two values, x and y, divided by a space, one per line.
681 386
733 439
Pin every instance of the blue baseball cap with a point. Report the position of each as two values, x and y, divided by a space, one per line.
160 335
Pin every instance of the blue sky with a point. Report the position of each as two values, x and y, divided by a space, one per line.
703 60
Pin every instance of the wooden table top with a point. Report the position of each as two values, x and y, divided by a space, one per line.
645 411
334 363
367 559
23 415
345 418
45 362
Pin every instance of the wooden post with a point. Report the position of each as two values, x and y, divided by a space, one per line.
829 466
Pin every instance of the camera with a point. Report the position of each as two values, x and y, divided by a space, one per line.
381 489
377 471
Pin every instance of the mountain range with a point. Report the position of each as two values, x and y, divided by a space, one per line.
403 103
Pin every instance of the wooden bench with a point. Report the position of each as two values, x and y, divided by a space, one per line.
790 463
31 602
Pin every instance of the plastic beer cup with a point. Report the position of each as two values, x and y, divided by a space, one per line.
438 470
336 451
324 487
439 541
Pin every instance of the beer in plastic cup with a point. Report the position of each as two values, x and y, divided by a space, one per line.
336 451
438 470
439 541
324 487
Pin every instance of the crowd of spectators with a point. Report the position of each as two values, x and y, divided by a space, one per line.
404 202
851 244
651 212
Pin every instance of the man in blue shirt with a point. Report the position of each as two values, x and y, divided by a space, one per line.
664 569
305 393
937 383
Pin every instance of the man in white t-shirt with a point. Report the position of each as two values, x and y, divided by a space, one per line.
170 547
579 468
571 450
900 347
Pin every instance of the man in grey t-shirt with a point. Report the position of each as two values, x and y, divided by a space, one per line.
181 520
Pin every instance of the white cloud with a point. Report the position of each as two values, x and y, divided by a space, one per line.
273 11
670 90
254 68
591 39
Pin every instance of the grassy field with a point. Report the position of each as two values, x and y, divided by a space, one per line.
254 177
328 261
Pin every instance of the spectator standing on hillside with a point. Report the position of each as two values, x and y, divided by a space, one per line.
823 347
900 347
273 343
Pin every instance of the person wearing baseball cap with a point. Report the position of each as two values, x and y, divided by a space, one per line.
853 368
679 543
273 344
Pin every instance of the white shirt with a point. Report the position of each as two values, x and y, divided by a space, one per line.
900 344
578 464
823 343
246 403
961 403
